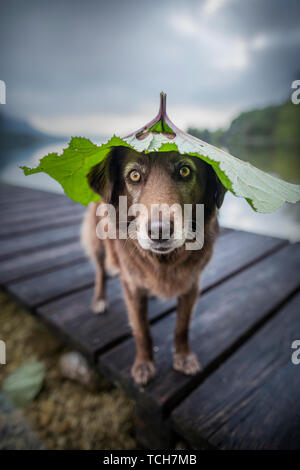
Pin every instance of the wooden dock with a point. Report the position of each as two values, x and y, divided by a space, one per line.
246 319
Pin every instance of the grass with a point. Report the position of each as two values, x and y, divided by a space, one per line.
65 415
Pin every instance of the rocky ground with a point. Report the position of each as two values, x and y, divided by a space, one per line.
65 415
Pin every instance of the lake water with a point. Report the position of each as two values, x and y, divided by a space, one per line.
235 212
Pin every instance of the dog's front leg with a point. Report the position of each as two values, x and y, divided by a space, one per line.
99 304
185 361
143 368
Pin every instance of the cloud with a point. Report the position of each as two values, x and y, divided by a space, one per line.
210 7
68 64
184 24
107 124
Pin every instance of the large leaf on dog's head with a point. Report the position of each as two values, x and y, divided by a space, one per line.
263 192
70 168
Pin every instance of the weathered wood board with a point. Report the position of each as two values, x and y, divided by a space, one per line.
252 400
245 320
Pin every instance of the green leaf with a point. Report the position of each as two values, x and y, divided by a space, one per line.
160 126
70 168
263 192
24 383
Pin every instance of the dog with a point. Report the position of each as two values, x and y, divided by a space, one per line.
155 266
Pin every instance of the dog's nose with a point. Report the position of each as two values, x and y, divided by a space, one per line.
160 231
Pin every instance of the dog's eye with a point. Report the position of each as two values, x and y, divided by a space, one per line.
184 171
135 176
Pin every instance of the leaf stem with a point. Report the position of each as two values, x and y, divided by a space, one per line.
163 106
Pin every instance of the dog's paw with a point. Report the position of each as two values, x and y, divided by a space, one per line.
99 306
187 363
143 372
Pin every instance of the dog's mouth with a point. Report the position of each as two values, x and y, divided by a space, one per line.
160 248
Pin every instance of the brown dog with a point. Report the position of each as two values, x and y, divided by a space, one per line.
158 266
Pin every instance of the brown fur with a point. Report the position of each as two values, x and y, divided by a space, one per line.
142 271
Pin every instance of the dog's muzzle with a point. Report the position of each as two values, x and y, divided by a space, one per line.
160 237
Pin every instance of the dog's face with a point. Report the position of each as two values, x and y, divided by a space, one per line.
167 179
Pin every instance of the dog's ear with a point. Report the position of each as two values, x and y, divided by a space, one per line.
98 179
104 178
215 190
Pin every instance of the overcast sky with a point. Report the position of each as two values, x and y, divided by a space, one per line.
94 67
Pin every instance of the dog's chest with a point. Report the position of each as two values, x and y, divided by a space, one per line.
172 282
164 280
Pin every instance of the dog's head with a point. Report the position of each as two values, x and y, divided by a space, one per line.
160 179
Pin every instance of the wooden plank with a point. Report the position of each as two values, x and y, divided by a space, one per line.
7 201
33 241
42 204
38 290
251 401
223 319
70 312
47 258
8 192
236 251
72 316
7 188
31 196
58 219
38 215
